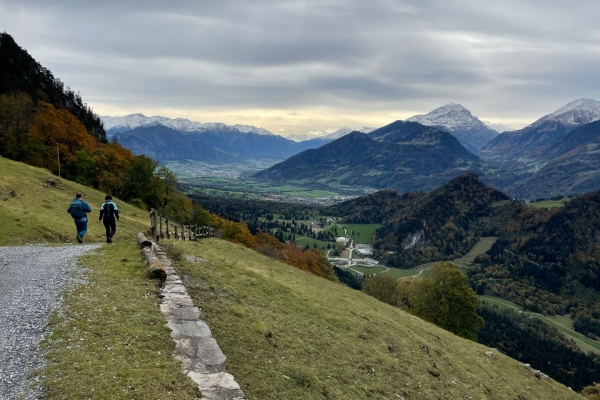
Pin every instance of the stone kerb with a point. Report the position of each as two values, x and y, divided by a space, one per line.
195 348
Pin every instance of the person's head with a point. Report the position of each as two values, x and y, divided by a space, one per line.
79 195
108 197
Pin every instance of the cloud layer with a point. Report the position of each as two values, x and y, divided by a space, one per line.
315 65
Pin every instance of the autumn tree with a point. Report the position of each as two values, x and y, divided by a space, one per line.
445 298
382 287
16 116
51 127
113 162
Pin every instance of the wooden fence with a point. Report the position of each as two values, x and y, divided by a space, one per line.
162 228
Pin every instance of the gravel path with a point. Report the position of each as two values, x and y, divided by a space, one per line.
31 280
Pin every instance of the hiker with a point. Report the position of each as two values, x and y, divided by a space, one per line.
78 210
109 214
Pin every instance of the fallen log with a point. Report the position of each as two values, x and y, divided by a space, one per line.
153 265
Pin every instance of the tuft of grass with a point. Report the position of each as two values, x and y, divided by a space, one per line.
109 340
290 335
32 213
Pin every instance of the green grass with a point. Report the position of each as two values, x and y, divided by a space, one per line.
499 203
304 240
37 214
368 270
549 203
290 335
559 322
110 340
480 247
362 232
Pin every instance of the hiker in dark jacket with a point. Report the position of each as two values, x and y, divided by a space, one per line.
109 215
79 210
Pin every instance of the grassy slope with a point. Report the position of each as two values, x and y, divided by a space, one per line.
109 341
290 335
37 214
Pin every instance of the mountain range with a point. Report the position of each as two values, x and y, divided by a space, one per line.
518 145
555 155
165 139
404 156
114 125
470 131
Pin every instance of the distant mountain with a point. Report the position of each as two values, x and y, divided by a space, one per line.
568 165
405 156
126 123
240 141
329 135
165 144
512 146
470 131
497 127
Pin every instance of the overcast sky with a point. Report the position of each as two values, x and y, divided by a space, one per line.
297 66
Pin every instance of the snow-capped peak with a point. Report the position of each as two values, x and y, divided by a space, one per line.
452 116
133 121
577 112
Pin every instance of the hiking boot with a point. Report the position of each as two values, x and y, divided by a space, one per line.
79 239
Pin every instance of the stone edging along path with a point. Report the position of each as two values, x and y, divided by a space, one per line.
197 351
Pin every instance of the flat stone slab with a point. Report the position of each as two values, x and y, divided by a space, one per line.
189 329
210 382
223 394
173 280
202 354
177 300
174 288
180 313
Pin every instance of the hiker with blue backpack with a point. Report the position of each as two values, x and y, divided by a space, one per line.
109 215
79 210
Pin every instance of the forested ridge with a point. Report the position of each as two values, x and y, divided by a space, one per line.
20 73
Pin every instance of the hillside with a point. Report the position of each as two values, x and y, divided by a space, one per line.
33 213
512 146
397 156
290 335
163 144
570 165
372 208
438 225
455 119
20 73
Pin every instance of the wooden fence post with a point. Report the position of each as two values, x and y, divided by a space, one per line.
160 232
168 231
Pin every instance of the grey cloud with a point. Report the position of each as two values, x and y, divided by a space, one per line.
511 59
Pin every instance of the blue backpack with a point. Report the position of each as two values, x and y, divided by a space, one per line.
77 211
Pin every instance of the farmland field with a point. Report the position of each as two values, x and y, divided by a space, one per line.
549 203
484 244
362 232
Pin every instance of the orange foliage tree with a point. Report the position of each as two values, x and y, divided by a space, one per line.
112 161
51 127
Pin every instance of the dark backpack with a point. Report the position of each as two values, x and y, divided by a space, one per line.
77 211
